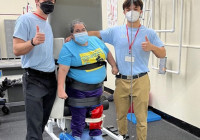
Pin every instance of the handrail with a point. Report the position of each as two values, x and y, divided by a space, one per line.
183 46
10 14
173 23
180 46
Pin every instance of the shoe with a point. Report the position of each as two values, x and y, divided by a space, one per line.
126 136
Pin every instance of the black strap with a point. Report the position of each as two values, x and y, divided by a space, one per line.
85 87
85 102
89 66
104 102
71 83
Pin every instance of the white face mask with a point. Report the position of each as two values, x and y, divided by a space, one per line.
132 16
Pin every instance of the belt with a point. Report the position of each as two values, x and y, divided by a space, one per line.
131 77
39 73
71 83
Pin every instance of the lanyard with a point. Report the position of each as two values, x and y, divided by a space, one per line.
130 45
40 16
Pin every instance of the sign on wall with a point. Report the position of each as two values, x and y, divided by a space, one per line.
112 12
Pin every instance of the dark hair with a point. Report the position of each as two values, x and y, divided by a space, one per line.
127 3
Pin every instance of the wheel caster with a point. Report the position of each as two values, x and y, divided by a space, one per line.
5 110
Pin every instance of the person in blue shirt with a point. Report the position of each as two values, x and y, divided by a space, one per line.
133 43
82 50
33 41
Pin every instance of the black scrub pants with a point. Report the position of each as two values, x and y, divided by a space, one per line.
39 92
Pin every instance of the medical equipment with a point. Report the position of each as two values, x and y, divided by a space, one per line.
59 117
3 87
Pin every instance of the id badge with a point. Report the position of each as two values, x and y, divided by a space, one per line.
128 58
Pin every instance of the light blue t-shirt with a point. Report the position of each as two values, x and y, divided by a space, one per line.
41 56
117 36
73 54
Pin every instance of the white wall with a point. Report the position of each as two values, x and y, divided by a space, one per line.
175 94
179 95
10 7
110 77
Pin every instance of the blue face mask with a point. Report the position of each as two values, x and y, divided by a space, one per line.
81 38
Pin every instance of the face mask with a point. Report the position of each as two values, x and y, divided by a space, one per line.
81 38
47 7
132 16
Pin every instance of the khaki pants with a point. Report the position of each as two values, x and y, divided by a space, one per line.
122 99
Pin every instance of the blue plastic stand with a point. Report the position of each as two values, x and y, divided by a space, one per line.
84 136
66 136
151 116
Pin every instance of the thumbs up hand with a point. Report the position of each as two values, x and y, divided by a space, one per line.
147 46
39 37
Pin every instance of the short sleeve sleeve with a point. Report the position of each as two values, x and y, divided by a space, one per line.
107 35
21 28
156 40
65 56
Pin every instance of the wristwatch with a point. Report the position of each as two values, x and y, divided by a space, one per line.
32 42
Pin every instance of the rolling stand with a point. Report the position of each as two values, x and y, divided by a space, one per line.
3 87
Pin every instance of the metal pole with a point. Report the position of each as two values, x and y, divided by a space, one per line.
131 87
